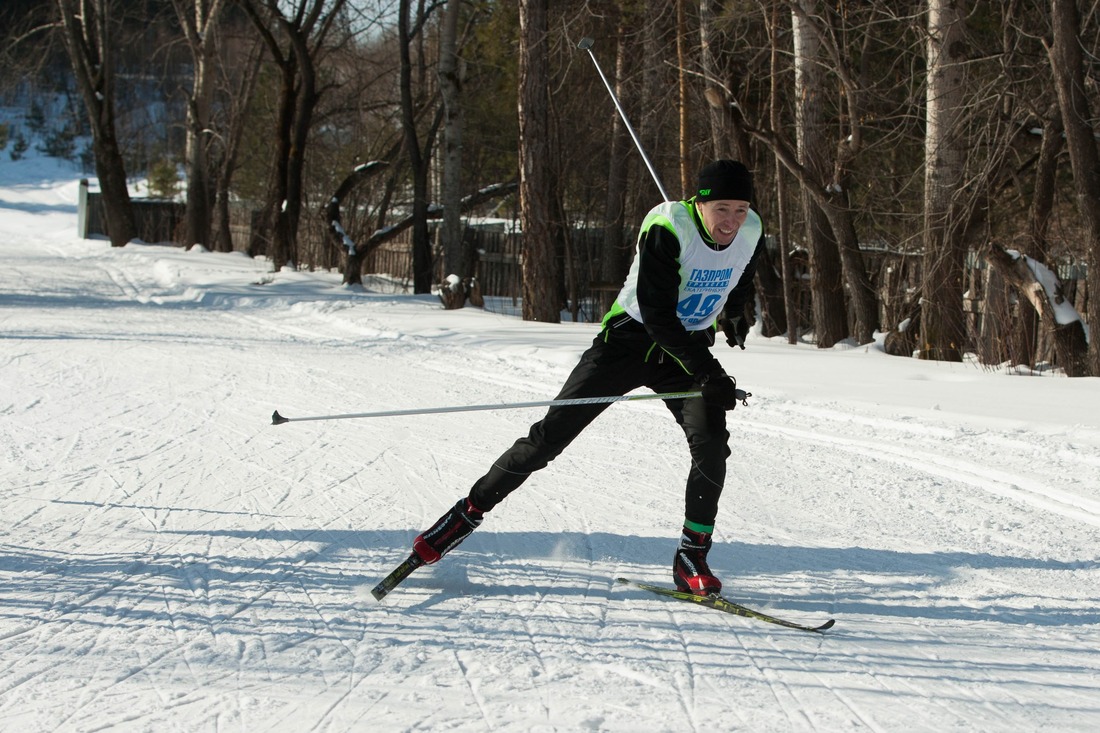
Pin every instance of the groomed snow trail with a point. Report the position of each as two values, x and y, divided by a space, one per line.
171 561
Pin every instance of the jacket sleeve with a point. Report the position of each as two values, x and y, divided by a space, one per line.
658 295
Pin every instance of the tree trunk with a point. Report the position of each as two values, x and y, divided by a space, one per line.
826 282
791 316
1038 226
450 82
268 236
717 98
305 102
943 326
418 161
686 172
198 19
305 32
240 94
861 293
653 97
614 262
88 43
1068 65
353 264
540 266
994 337
1070 346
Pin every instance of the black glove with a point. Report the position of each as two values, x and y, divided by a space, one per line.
736 330
718 388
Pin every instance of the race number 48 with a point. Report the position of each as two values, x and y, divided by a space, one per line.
698 306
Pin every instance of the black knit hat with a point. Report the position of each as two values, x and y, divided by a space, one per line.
724 179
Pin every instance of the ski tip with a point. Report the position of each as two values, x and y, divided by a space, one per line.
277 419
826 626
402 571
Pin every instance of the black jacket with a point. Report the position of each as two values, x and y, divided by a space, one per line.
659 292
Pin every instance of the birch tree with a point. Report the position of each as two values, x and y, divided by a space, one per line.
943 328
830 194
826 281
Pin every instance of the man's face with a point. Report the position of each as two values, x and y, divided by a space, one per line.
723 218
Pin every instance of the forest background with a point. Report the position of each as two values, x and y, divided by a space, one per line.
930 169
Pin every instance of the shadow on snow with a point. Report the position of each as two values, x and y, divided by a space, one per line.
339 565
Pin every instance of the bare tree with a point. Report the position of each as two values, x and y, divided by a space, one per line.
540 263
943 328
419 153
656 130
783 227
384 234
1039 214
239 73
716 109
686 171
353 265
198 19
1069 337
1068 66
86 28
450 84
837 204
615 257
304 26
826 280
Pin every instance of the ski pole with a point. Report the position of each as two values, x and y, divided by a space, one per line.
586 45
277 419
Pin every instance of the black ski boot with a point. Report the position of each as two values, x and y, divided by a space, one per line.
448 531
689 568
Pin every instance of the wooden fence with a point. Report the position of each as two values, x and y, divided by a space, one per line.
157 220
499 270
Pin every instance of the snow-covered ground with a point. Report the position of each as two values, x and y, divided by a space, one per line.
171 561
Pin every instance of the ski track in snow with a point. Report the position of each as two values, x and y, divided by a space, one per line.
170 561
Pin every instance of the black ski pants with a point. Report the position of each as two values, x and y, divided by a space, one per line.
615 364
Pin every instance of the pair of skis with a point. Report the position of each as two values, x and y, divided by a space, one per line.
717 602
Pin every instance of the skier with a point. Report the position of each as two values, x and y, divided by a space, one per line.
693 270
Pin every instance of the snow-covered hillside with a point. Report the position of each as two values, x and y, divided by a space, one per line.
169 560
